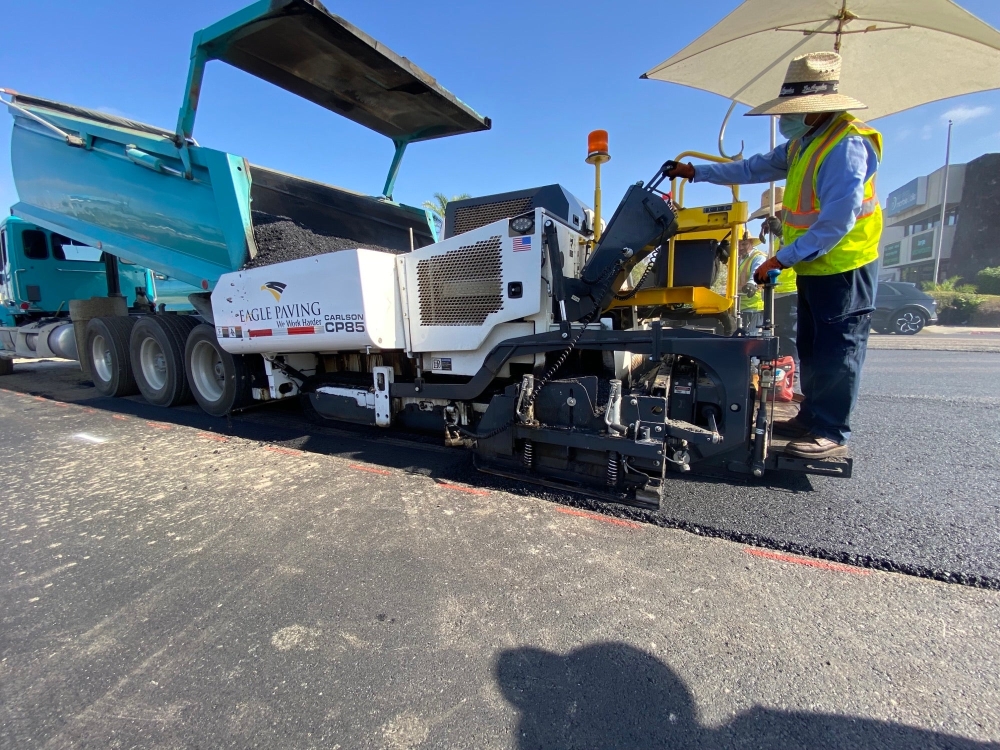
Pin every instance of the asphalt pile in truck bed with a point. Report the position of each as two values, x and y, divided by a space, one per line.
280 239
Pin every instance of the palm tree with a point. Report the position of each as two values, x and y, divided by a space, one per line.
439 205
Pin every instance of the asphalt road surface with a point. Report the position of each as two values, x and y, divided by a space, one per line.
924 499
172 587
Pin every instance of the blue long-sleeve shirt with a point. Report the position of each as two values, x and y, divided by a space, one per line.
840 186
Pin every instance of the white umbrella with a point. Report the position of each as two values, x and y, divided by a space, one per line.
897 54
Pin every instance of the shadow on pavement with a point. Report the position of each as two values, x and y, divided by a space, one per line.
613 696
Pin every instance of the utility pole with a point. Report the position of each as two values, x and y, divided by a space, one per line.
944 208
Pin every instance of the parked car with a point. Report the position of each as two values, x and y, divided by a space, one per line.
902 308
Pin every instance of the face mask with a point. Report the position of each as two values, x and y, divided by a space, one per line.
793 126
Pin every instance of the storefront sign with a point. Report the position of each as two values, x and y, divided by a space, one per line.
913 193
922 246
890 254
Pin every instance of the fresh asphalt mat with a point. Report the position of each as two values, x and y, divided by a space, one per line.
924 499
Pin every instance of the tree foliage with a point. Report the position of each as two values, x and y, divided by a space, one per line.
439 205
988 280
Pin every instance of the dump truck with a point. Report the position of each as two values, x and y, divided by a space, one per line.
520 334
42 272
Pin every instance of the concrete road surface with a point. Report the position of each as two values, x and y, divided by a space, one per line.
941 338
171 587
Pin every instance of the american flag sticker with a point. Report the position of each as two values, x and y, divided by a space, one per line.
522 243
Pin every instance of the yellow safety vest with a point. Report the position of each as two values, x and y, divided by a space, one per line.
787 282
801 202
753 302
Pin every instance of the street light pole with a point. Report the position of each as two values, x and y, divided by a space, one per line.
944 208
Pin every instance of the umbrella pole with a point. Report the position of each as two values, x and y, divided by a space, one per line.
722 137
774 138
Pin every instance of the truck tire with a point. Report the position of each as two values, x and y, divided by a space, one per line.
220 381
6 366
156 349
106 350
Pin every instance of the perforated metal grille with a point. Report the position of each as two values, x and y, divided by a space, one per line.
461 287
468 218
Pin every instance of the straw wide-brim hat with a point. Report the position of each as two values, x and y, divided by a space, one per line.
811 85
765 203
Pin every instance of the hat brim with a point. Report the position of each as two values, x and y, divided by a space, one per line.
760 213
804 105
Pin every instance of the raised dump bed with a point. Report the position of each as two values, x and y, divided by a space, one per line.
157 198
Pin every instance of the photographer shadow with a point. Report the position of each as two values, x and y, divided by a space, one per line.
615 697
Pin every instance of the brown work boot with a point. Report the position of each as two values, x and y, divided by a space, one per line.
812 446
790 428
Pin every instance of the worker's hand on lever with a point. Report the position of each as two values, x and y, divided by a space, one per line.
673 169
761 275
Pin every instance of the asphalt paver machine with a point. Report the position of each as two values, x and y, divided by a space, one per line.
601 362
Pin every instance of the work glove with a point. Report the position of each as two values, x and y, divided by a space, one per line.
760 276
674 169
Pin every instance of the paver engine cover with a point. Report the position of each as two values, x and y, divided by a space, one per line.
342 301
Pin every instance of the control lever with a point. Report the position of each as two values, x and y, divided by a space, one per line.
762 427
661 175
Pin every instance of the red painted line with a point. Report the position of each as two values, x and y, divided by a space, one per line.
300 330
370 470
159 426
598 517
90 411
807 561
459 488
216 438
118 416
285 451
259 332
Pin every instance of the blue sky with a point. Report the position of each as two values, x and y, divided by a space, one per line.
538 69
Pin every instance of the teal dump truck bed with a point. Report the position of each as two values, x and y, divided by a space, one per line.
156 198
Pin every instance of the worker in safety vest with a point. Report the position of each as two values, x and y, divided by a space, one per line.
786 296
831 224
751 301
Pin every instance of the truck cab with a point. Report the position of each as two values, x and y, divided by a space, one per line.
41 271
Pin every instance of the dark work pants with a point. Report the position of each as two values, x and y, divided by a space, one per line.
785 314
834 317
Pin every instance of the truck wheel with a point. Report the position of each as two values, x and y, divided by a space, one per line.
106 350
220 381
157 354
6 366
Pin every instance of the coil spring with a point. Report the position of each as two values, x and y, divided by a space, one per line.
528 456
612 469
621 297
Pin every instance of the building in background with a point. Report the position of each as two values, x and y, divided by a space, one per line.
912 217
971 228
